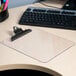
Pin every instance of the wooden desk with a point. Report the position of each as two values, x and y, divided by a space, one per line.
64 63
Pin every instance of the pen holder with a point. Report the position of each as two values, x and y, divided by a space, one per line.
4 15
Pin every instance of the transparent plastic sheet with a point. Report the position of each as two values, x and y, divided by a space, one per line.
39 45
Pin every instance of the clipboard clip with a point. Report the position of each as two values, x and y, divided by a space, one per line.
19 33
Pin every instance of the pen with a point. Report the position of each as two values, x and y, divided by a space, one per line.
2 5
4 1
6 4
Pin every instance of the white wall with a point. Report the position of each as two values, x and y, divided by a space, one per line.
15 3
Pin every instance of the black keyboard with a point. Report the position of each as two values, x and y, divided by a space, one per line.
53 18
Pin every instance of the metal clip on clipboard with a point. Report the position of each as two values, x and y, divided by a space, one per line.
19 32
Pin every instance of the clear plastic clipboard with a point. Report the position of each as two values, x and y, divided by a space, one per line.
39 45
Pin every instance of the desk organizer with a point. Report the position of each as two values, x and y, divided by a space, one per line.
4 15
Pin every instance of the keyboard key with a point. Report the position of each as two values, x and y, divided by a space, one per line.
53 11
72 13
39 10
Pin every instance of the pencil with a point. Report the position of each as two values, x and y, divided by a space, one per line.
2 7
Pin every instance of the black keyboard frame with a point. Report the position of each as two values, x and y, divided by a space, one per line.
61 11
